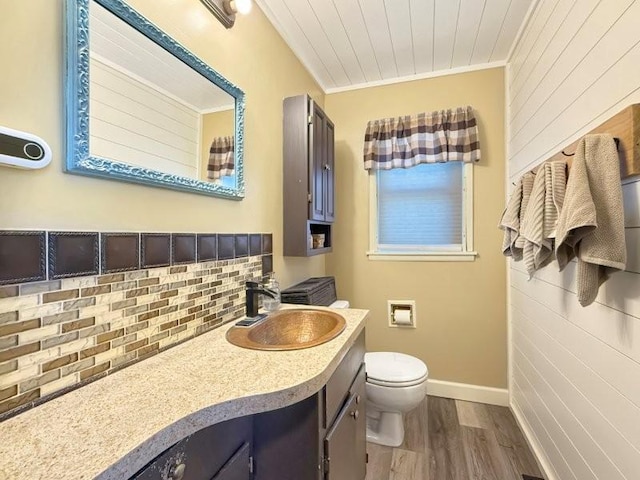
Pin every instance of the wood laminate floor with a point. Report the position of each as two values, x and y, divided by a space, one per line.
454 440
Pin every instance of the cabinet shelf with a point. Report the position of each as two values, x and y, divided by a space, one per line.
319 251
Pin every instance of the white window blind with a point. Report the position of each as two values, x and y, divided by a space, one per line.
421 208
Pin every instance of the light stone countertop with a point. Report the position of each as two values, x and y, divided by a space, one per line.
113 427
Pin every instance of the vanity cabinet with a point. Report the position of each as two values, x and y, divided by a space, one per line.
320 438
309 176
220 452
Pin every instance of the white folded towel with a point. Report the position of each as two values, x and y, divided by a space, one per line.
591 223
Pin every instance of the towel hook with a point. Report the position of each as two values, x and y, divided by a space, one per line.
616 139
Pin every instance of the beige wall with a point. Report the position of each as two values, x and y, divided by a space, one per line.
217 124
251 55
461 332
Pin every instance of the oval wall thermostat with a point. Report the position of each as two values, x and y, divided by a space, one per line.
23 150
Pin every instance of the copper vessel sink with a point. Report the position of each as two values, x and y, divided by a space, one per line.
289 330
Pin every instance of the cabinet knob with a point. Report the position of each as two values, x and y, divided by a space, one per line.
355 414
177 472
327 166
358 399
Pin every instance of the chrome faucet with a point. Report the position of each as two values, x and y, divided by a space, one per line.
252 290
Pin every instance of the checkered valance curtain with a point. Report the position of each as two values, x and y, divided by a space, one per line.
221 162
403 142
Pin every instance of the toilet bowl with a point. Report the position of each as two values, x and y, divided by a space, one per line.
396 384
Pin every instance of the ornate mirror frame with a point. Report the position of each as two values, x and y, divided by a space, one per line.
78 158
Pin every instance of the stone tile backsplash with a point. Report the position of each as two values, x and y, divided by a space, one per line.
57 335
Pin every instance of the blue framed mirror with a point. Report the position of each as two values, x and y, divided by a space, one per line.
142 108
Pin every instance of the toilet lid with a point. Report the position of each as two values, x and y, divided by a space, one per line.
393 367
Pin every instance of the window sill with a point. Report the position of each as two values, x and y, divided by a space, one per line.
423 256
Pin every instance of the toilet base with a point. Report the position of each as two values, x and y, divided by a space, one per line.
385 428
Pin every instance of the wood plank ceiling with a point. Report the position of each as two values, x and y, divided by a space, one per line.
347 43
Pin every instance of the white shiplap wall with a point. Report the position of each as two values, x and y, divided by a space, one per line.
575 372
134 123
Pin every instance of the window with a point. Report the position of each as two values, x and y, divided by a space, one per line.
422 213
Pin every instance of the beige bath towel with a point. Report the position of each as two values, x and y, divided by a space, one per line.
591 224
555 178
541 216
513 242
510 223
527 186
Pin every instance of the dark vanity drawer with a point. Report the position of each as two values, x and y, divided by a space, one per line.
203 455
337 389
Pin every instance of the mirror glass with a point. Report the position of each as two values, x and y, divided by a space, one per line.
154 112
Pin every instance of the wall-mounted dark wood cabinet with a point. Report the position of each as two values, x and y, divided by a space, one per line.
309 181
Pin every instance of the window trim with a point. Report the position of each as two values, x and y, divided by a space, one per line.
424 254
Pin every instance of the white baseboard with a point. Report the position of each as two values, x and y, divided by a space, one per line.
534 445
471 393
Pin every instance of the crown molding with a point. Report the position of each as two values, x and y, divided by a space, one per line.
418 76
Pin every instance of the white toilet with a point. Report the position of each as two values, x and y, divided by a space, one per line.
396 384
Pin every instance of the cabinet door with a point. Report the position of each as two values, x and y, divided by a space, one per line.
345 444
329 172
317 161
203 454
360 447
287 444
238 467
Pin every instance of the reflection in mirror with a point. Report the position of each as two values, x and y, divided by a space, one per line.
218 146
156 113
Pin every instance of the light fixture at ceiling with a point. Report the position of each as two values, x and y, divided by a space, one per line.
237 6
225 10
